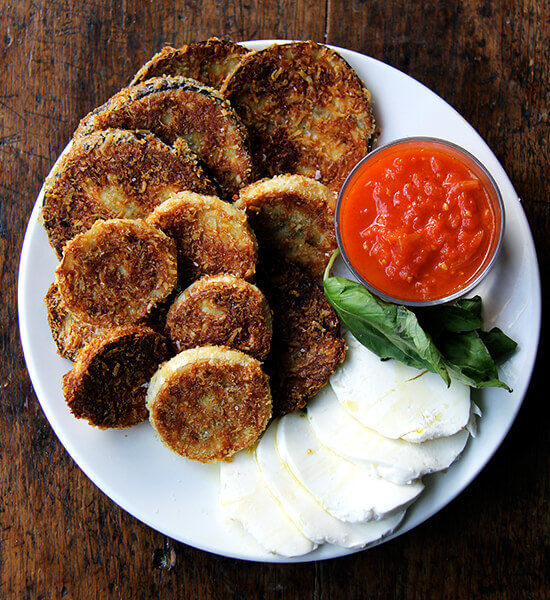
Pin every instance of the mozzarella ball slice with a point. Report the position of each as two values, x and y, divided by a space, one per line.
245 498
398 401
305 512
395 460
344 489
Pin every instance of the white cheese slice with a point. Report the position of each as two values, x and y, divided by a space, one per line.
395 460
306 513
245 498
472 424
344 489
399 401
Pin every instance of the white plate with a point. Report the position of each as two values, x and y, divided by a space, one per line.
179 497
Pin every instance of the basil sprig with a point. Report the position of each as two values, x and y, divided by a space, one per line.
446 339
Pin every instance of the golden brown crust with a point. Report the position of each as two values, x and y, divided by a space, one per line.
307 345
306 110
116 272
208 403
173 107
115 174
108 383
209 62
221 310
212 236
293 218
70 335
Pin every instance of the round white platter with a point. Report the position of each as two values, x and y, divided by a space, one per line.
179 497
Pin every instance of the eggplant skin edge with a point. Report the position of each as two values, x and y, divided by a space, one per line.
210 126
209 62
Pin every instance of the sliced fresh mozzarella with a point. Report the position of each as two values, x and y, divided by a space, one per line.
399 401
343 488
245 498
395 460
306 513
472 423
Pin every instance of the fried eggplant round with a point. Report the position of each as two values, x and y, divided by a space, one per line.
208 403
108 383
306 110
307 345
209 62
173 107
116 272
211 235
293 218
115 174
221 310
69 333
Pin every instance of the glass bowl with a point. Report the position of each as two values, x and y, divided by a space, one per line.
490 187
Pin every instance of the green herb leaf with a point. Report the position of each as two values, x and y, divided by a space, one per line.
462 315
389 330
446 339
499 345
469 360
471 305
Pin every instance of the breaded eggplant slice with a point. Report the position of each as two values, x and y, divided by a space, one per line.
209 62
69 333
306 110
108 383
115 174
116 272
293 218
173 107
307 345
221 310
211 235
208 403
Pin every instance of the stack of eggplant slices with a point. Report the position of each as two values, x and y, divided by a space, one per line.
193 216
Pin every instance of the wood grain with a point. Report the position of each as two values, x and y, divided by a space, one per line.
60 536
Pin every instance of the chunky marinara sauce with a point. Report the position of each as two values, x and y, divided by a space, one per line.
416 222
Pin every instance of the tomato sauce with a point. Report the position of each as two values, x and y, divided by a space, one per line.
417 222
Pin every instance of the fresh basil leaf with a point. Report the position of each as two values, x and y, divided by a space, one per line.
445 340
397 332
469 360
471 305
375 341
499 345
362 315
462 315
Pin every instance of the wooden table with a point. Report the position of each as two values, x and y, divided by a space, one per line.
60 536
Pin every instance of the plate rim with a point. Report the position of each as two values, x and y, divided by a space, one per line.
26 341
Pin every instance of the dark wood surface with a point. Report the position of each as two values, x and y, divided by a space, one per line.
60 536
